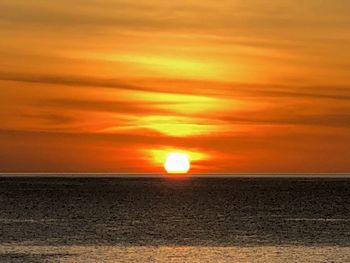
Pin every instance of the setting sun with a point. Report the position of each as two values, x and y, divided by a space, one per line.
177 163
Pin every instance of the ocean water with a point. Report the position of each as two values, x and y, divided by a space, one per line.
168 220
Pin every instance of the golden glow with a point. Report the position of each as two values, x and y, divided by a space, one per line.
175 126
177 163
165 65
183 115
158 156
187 104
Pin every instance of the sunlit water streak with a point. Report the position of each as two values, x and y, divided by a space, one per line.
178 254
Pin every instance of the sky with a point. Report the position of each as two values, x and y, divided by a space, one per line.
240 86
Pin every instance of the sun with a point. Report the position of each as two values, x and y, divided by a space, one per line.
177 163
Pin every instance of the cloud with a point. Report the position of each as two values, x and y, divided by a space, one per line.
178 86
285 117
274 104
176 15
112 106
68 81
50 118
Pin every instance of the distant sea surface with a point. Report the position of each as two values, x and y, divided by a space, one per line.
171 220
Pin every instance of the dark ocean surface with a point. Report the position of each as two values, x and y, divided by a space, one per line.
173 220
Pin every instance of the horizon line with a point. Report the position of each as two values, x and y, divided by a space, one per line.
160 175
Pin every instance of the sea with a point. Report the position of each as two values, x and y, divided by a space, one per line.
229 219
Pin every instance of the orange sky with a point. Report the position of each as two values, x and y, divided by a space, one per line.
115 85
